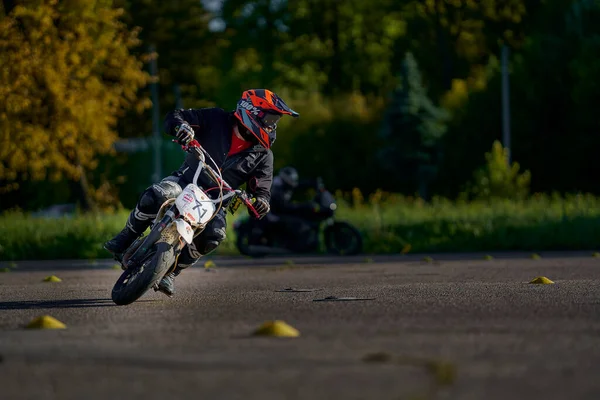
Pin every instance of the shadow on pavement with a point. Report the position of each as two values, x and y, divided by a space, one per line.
75 303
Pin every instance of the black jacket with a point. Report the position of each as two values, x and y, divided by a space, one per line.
213 129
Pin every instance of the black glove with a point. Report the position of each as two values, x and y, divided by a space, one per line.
184 134
261 206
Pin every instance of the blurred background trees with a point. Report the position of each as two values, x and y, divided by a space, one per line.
67 76
399 95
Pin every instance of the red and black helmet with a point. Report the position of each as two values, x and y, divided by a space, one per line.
259 110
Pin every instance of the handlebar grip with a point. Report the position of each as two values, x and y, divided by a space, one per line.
250 207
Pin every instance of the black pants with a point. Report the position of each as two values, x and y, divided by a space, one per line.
148 205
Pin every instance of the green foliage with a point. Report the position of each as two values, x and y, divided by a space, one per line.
313 142
452 39
552 108
499 178
185 53
412 130
389 224
335 61
317 45
67 75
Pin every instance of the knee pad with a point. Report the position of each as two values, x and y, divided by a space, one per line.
165 190
218 234
157 194
208 246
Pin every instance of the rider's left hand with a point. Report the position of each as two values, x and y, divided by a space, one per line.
184 134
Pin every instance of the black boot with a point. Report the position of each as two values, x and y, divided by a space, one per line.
121 242
136 222
167 283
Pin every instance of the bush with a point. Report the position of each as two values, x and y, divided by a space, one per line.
499 178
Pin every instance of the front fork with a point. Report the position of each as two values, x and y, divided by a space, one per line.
152 238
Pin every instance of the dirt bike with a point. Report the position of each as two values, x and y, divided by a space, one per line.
178 222
273 235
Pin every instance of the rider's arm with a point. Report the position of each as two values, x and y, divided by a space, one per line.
261 180
177 117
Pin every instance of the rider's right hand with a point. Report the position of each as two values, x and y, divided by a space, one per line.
261 206
184 134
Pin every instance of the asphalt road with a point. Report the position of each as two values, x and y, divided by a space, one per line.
461 328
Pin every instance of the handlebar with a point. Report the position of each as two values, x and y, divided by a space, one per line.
246 200
197 150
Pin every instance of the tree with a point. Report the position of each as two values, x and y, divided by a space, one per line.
351 42
67 75
412 130
187 55
452 39
330 46
553 92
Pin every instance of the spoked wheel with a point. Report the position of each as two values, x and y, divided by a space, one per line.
135 281
343 239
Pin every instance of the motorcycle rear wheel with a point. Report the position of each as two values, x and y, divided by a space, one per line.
135 281
341 238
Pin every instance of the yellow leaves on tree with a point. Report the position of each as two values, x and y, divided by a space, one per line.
66 75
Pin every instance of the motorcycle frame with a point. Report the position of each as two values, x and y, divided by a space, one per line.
164 219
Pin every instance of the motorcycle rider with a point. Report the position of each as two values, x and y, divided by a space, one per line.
285 183
239 142
286 214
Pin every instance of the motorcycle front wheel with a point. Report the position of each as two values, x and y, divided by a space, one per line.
137 280
341 238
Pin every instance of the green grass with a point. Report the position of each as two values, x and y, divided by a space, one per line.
388 225
540 223
23 237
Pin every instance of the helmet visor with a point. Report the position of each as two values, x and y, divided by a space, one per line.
270 120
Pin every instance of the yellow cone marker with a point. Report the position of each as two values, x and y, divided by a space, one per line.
535 256
541 280
209 264
488 258
427 259
596 255
276 328
116 266
444 373
46 322
52 278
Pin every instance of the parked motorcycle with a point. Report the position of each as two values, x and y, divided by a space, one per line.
279 235
177 223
